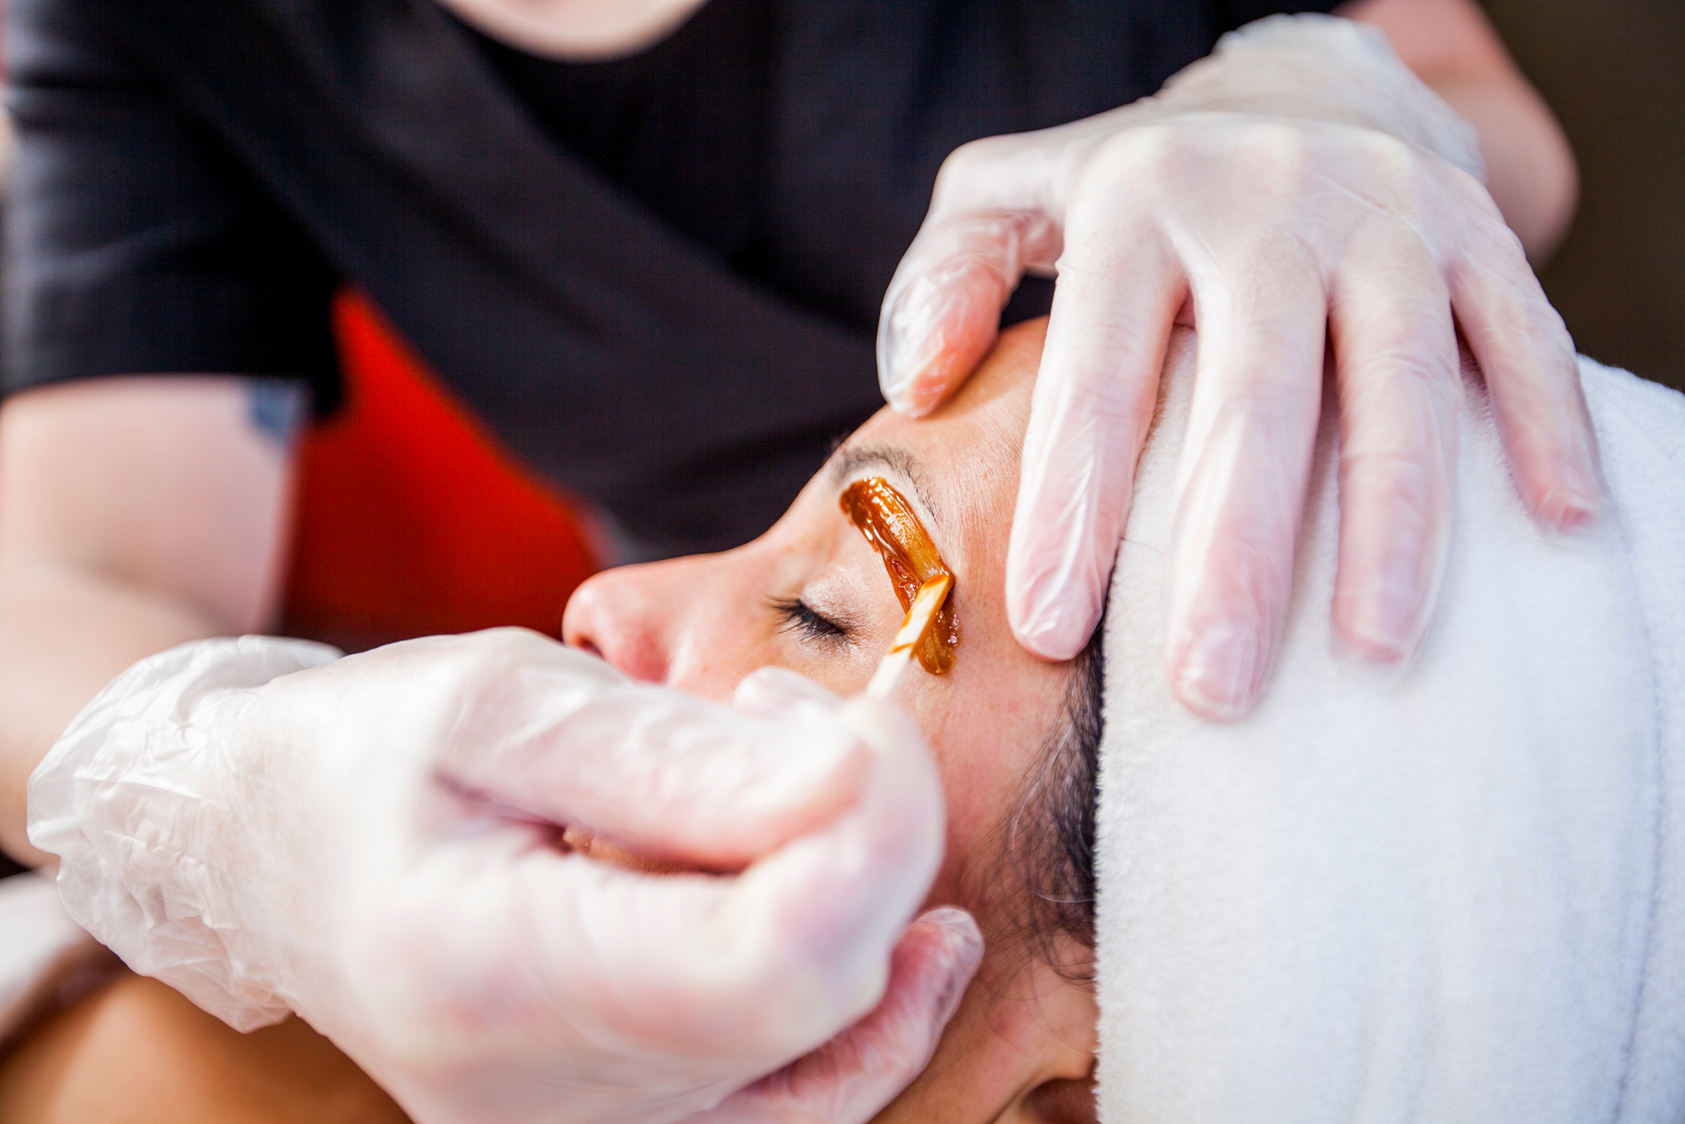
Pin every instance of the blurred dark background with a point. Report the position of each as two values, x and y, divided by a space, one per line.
1614 72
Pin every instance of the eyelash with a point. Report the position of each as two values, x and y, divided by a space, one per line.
802 618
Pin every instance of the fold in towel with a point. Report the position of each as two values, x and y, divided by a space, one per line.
1458 899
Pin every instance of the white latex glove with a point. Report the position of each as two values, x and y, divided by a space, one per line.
373 843
1299 183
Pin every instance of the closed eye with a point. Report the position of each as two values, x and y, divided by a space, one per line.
807 622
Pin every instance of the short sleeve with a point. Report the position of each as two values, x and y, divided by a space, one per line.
136 243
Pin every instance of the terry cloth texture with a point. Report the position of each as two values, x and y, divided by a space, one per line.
1460 899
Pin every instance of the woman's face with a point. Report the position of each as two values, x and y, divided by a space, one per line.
813 596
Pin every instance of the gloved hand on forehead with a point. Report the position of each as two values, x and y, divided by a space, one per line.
1299 185
373 842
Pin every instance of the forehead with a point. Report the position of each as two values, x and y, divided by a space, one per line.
961 462
996 398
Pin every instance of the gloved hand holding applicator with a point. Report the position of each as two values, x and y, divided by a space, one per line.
374 842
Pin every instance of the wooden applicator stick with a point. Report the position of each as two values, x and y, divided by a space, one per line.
920 617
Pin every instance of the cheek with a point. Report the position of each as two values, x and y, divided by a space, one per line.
988 741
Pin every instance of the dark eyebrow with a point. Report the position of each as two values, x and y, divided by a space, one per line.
851 460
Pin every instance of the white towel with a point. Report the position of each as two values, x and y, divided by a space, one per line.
1462 899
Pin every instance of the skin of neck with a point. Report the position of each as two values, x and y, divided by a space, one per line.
577 30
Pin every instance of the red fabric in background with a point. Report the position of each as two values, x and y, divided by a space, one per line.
410 521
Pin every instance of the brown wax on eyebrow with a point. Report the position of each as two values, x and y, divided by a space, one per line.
886 519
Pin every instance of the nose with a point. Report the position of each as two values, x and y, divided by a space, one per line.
686 622
627 616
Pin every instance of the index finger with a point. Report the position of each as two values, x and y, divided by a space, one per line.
731 976
555 735
1089 416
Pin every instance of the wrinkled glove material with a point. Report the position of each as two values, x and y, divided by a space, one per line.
128 784
1299 187
374 842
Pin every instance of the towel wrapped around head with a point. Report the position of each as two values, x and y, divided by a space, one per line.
1456 898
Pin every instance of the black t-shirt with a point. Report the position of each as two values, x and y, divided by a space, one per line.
681 127
656 278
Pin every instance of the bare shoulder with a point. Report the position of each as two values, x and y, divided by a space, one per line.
136 1051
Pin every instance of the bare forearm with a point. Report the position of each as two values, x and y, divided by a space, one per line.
1454 49
1529 166
63 635
135 514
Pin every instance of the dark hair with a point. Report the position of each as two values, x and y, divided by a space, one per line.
1048 846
